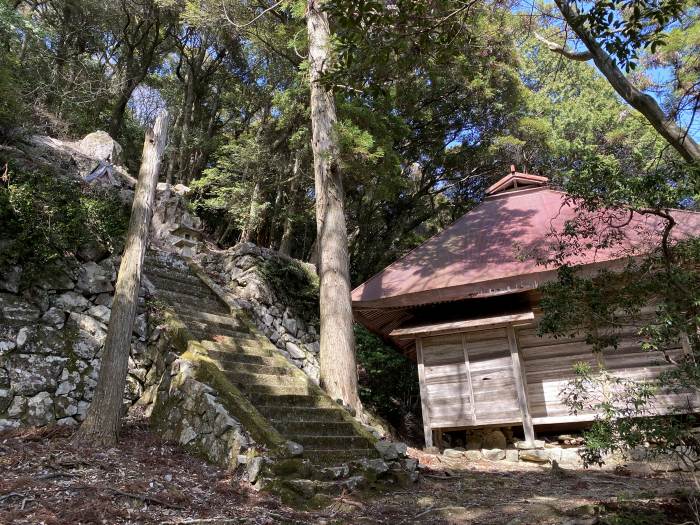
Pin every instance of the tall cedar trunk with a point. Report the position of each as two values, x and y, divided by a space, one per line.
116 120
338 366
101 425
251 224
678 138
286 241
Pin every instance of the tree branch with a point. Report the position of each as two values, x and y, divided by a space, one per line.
579 56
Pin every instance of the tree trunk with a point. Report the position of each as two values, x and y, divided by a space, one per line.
678 138
251 223
338 366
101 425
286 241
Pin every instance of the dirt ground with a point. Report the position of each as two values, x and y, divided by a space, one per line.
45 480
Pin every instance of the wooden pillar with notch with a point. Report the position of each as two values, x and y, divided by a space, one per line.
427 430
520 385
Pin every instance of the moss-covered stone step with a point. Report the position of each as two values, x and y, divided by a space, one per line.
309 401
280 390
168 275
245 378
211 333
254 368
206 327
309 428
320 442
338 456
293 413
180 286
194 314
234 358
201 304
240 343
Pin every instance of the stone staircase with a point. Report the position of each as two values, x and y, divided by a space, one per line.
296 408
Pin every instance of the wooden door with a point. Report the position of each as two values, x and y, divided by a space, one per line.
492 378
447 394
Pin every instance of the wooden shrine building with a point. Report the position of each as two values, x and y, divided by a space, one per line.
464 305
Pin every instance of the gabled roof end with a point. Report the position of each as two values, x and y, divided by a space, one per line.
515 180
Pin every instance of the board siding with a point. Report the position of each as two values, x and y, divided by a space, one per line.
468 378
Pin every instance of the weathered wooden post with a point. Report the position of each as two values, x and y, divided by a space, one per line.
101 425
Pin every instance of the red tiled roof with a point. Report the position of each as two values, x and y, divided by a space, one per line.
481 254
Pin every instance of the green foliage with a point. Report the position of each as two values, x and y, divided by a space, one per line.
46 217
388 381
294 285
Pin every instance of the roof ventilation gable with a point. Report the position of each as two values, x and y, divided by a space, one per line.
516 180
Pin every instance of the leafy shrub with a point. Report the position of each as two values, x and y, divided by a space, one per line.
45 217
293 285
388 380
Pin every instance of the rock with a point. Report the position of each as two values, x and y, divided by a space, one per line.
253 467
639 468
10 279
494 439
290 325
314 348
4 378
92 251
40 409
570 456
56 277
512 455
99 145
453 453
387 450
72 301
100 312
473 455
377 466
82 410
94 278
187 435
141 326
524 445
294 449
6 396
30 374
40 339
534 456
67 422
13 308
8 424
65 406
295 351
493 454
55 317
105 299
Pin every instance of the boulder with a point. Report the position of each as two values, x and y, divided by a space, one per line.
473 455
100 312
92 251
40 339
8 424
72 301
18 407
40 409
453 453
493 454
387 450
30 374
55 317
295 351
100 146
524 445
94 278
534 456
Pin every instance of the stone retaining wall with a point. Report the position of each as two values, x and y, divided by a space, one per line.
51 340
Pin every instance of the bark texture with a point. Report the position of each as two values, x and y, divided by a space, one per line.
338 366
101 425
677 137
